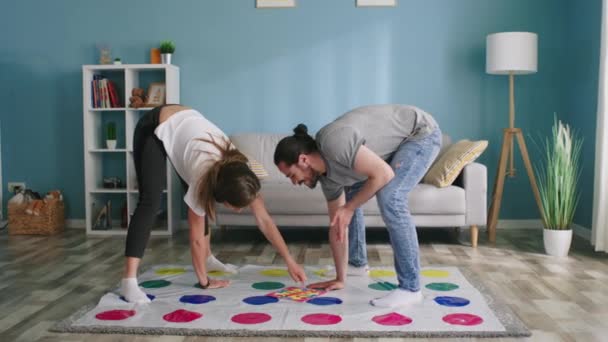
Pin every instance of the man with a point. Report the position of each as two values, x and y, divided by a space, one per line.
381 150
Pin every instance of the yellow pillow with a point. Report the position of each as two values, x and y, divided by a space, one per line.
257 168
445 170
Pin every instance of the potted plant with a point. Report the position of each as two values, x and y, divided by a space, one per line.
111 135
558 177
167 48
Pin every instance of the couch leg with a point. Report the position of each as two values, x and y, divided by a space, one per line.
474 233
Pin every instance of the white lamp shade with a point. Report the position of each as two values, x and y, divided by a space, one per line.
511 52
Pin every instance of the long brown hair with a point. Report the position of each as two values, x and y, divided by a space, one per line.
229 179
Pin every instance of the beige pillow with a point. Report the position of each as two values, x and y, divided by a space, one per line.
445 170
257 168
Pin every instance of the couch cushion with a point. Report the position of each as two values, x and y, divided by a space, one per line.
429 199
449 165
261 148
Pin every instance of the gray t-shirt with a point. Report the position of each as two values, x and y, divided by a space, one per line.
381 128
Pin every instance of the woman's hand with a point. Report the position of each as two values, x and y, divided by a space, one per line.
296 272
341 220
216 283
329 285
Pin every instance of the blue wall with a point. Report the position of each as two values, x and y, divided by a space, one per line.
267 70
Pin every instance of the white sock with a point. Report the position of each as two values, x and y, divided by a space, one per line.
131 291
398 298
215 265
354 271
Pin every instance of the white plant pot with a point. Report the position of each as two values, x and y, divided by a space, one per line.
111 144
165 58
557 242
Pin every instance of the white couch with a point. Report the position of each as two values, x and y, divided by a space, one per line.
458 205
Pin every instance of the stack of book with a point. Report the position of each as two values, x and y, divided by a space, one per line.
103 93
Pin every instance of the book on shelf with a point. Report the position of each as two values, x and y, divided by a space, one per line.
104 93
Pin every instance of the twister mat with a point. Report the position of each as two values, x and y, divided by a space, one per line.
453 306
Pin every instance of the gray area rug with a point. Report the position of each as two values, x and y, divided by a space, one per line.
440 315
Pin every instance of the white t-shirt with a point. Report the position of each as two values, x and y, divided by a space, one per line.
190 156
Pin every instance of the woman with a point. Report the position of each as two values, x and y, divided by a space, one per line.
381 150
212 169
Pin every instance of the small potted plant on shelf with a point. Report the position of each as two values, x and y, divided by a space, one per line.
167 48
111 135
558 177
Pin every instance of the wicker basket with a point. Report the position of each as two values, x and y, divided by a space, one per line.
50 221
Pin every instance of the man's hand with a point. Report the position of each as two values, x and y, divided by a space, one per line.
296 272
328 285
341 220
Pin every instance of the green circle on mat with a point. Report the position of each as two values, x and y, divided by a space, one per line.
442 286
268 285
382 286
154 284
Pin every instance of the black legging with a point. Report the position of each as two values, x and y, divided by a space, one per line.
150 158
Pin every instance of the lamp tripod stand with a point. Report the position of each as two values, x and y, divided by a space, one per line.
507 152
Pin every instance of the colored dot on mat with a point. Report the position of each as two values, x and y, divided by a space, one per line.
151 297
260 300
435 273
382 286
325 301
170 271
382 273
275 272
251 318
452 301
217 273
321 272
442 286
462 319
115 315
182 316
321 319
196 299
268 285
392 319
154 284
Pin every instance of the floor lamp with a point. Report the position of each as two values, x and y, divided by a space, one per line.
510 53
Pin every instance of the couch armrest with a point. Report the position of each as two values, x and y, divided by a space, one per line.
475 183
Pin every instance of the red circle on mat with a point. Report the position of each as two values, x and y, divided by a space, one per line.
392 319
251 318
182 316
321 319
462 319
115 315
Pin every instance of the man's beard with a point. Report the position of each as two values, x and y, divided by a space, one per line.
313 180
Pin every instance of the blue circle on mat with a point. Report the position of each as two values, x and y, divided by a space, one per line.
325 301
452 301
151 297
260 300
196 299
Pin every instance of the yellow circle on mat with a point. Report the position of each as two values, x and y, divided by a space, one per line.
275 272
170 271
321 272
435 273
382 273
218 273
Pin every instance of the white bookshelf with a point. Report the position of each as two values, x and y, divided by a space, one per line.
101 162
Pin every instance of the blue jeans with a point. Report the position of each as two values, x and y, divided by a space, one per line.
410 163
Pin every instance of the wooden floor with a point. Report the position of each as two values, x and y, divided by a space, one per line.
45 279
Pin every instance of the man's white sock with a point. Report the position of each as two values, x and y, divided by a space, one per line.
398 298
215 265
131 291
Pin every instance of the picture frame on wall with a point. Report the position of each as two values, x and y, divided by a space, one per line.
275 3
374 3
156 94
